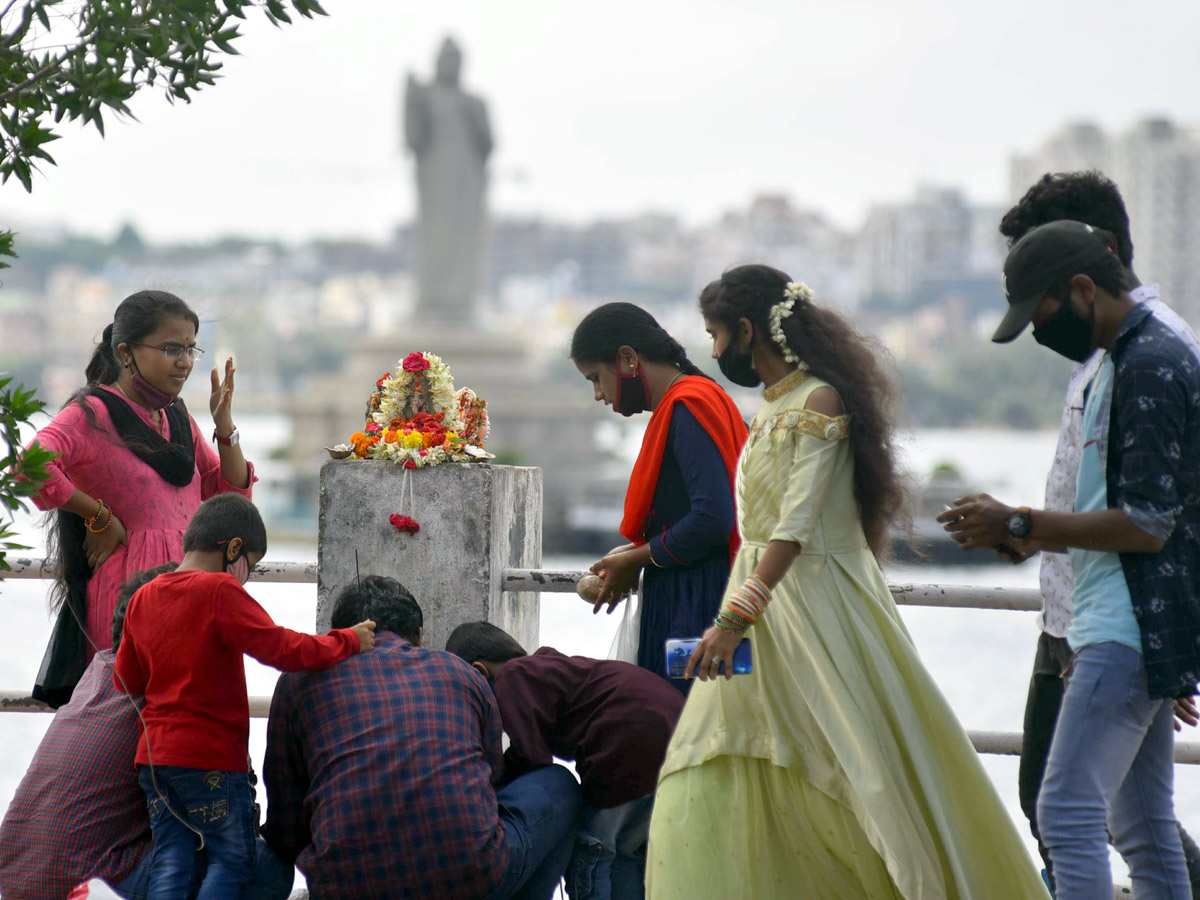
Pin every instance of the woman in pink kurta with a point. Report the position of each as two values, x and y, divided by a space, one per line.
123 506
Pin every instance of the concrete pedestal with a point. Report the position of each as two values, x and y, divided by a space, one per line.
476 520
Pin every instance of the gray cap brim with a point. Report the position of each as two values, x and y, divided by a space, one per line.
1016 319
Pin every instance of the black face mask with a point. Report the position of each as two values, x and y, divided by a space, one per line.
737 367
1067 333
632 394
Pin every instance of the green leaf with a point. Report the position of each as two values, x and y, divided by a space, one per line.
118 48
6 249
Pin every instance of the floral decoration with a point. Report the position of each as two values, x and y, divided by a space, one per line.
793 291
417 419
415 362
404 524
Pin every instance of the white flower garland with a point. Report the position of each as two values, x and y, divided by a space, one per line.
793 291
439 384
462 411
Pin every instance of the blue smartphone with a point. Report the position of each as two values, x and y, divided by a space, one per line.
679 651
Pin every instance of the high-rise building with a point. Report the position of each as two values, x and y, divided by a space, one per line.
1078 147
910 251
1157 167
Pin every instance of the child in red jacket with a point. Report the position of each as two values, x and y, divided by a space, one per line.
185 633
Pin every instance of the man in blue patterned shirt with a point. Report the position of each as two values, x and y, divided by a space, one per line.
1093 198
1134 540
381 777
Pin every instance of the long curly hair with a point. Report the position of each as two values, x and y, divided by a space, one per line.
853 364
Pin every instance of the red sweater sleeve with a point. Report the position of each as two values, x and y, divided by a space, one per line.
245 626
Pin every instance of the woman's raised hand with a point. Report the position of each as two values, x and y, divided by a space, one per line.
220 403
98 547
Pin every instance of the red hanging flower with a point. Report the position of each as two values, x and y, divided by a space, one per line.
382 379
415 362
404 524
409 464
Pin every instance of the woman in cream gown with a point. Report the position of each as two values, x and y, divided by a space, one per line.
835 769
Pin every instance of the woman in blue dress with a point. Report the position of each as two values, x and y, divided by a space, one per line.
679 512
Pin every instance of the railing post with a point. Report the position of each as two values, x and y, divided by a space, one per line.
475 521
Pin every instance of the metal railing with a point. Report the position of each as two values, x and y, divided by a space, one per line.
563 581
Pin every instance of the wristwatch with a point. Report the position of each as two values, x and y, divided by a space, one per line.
1019 524
231 441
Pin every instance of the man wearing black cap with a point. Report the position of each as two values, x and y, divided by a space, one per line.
1093 198
1134 541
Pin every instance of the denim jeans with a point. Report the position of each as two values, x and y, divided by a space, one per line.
218 805
609 860
540 813
271 880
1111 771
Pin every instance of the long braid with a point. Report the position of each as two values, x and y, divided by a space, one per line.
686 365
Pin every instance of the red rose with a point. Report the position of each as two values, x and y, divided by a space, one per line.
404 524
382 378
373 428
415 362
409 464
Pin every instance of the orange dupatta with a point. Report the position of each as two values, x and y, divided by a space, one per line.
717 415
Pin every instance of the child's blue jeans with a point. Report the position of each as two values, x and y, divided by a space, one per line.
218 805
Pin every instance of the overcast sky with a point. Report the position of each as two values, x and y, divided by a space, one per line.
616 107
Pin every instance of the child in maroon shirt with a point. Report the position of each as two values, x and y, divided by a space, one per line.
185 634
612 718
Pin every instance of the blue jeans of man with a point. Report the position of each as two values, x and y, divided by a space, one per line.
540 814
1111 771
609 859
215 805
271 879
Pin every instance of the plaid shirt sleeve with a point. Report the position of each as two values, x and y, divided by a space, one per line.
285 777
1150 415
492 730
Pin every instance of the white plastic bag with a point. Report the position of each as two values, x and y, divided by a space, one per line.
625 644
94 890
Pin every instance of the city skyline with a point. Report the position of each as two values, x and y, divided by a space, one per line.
601 113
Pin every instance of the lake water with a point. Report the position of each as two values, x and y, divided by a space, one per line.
981 659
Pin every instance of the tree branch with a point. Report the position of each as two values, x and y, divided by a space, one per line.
39 75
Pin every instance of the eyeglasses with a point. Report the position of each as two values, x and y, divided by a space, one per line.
173 351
